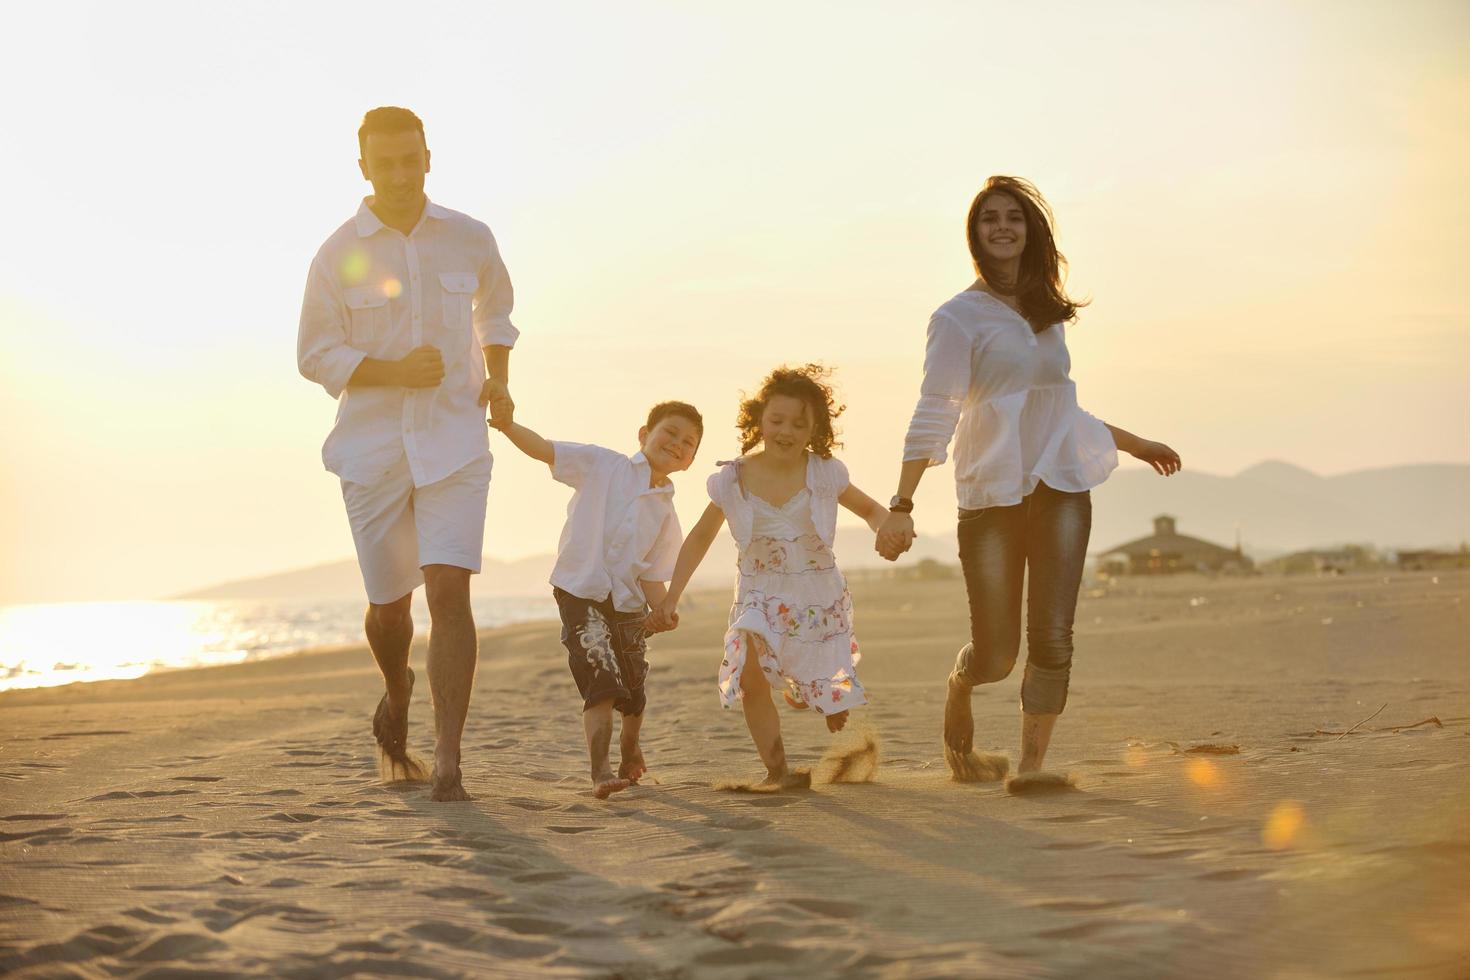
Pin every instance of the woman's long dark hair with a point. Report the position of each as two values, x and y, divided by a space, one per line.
1038 285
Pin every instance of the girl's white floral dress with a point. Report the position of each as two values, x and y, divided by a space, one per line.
792 609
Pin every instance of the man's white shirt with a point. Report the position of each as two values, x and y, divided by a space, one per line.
374 292
619 530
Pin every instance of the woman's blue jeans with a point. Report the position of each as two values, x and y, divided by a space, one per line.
1046 533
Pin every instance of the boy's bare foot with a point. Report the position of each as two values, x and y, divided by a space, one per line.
448 785
609 786
631 767
835 723
1040 782
396 764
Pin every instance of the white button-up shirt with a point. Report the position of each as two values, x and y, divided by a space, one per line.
619 530
1002 391
374 292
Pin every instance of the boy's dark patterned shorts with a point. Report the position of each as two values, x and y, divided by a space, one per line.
605 650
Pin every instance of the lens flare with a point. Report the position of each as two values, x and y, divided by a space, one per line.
392 288
1283 825
354 267
1203 772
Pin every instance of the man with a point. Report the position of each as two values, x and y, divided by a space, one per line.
406 322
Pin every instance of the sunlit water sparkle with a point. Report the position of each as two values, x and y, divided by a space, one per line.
45 645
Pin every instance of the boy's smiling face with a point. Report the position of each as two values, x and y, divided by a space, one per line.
671 444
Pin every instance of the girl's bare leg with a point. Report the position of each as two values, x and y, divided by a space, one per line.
764 721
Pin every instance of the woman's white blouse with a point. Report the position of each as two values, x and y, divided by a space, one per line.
1001 391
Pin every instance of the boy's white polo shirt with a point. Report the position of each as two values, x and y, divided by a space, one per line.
618 530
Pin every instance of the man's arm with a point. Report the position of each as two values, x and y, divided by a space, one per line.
422 368
496 390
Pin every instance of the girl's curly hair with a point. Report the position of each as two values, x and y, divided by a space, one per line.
808 383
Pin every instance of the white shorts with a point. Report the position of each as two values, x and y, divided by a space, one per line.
398 529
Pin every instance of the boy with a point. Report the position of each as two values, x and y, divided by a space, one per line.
616 552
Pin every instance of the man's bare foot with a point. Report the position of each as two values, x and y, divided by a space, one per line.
396 764
959 722
835 723
632 767
607 787
448 786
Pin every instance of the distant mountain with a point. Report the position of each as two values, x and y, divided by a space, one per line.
1276 507
527 576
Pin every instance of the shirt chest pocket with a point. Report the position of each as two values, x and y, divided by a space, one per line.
367 315
458 292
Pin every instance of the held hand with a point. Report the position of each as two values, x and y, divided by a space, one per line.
1164 460
661 619
422 368
895 536
502 409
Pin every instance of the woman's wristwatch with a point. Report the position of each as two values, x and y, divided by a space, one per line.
901 505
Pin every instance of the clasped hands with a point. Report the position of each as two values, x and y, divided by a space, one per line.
895 535
662 618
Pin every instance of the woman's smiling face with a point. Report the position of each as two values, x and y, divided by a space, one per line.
1001 228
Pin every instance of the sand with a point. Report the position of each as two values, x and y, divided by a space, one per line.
227 821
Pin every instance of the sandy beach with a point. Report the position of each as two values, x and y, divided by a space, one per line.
228 821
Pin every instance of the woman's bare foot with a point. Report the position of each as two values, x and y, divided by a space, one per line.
835 723
607 787
959 722
965 764
1041 782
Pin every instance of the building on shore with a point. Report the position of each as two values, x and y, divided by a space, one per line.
1326 561
1167 552
1436 560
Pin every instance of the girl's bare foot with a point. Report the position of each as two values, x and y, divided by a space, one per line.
789 779
835 723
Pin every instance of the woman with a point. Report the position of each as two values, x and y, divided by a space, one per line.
1026 457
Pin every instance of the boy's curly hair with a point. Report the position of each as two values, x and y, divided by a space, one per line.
808 383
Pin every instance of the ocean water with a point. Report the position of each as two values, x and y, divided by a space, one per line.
45 645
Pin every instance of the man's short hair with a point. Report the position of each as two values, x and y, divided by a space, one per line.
683 410
387 119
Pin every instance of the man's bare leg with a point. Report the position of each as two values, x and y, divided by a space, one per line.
598 723
453 651
631 765
389 629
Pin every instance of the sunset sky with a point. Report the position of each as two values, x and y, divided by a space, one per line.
1266 203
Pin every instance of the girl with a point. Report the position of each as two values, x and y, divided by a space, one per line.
791 625
1026 456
